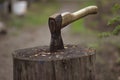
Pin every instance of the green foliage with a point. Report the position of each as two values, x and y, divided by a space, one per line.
116 31
114 20
104 34
116 8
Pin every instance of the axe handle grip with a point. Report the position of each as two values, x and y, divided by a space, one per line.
68 18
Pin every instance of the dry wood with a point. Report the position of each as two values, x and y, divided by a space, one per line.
73 63
68 17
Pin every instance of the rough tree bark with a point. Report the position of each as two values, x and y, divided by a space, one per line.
72 63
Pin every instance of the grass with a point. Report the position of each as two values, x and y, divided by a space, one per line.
78 26
37 15
94 45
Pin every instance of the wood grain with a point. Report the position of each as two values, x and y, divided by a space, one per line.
68 17
73 63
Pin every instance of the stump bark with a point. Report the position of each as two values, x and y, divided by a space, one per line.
72 63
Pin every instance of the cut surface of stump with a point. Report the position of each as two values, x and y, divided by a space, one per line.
72 63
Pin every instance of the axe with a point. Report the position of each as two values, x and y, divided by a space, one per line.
59 21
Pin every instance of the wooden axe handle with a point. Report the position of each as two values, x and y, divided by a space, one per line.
68 17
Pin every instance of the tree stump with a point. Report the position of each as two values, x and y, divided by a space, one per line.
72 63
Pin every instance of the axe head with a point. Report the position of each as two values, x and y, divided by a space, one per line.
55 25
59 21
